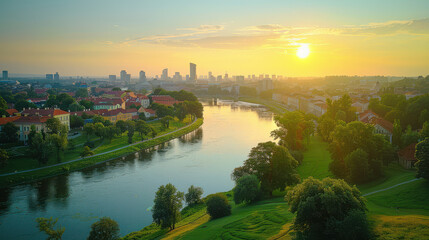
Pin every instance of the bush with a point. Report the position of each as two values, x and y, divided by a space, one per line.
247 189
218 206
194 195
104 229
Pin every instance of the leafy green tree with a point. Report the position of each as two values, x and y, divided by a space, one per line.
322 208
422 156
76 121
40 148
104 229
3 103
325 127
4 157
131 127
153 132
397 134
167 205
81 93
247 189
54 125
109 132
89 130
87 104
142 128
59 140
74 107
344 104
357 166
21 104
291 128
121 125
47 225
86 152
193 196
99 129
162 110
165 121
218 206
272 165
409 137
424 132
9 134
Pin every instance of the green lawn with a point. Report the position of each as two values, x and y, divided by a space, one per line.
316 160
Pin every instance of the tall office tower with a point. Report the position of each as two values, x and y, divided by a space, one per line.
112 78
123 75
267 76
248 77
226 77
192 71
49 77
274 77
142 77
211 77
5 75
177 76
261 76
187 77
56 76
253 77
164 75
219 78
128 78
239 79
266 84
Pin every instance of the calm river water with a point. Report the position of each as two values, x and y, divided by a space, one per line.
124 189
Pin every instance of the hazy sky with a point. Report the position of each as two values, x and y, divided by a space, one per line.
88 37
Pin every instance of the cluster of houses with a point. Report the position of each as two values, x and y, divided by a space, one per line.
111 105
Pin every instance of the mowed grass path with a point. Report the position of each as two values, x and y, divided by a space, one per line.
316 160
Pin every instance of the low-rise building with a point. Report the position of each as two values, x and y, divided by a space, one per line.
61 115
406 156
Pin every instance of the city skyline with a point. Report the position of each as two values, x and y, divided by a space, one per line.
347 38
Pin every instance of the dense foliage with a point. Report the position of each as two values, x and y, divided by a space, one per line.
104 229
247 189
167 205
328 209
193 196
218 206
422 156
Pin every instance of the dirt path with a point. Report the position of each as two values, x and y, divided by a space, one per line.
396 185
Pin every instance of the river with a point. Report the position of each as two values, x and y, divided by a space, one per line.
124 189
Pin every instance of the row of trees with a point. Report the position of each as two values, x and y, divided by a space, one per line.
104 229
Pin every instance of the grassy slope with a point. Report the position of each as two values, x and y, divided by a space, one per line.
89 161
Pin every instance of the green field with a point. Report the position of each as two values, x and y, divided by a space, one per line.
401 212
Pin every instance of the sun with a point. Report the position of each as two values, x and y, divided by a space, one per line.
303 51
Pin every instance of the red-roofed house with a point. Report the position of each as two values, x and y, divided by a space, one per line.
61 115
406 156
118 114
367 116
108 103
164 99
383 127
89 112
24 123
4 120
147 112
11 111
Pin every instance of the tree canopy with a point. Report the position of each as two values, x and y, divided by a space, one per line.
167 205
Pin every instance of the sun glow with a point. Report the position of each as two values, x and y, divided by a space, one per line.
303 51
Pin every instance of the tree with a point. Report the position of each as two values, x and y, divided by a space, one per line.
162 110
116 89
121 125
167 205
143 128
131 126
81 93
86 152
424 132
104 229
109 132
422 156
21 104
218 206
322 208
194 195
40 148
98 129
9 133
59 140
4 157
292 126
409 137
89 130
273 166
357 166
3 103
246 189
87 104
325 127
76 121
165 121
54 125
397 134
47 225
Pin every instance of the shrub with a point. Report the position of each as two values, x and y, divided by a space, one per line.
297 155
247 189
89 144
194 195
218 206
104 229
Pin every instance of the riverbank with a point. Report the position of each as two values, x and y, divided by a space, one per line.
11 179
399 212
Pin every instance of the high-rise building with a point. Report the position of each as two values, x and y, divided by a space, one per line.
123 75
239 79
56 76
128 78
187 77
211 77
5 75
142 77
226 77
219 78
266 84
112 78
177 76
273 77
164 75
192 71
49 76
